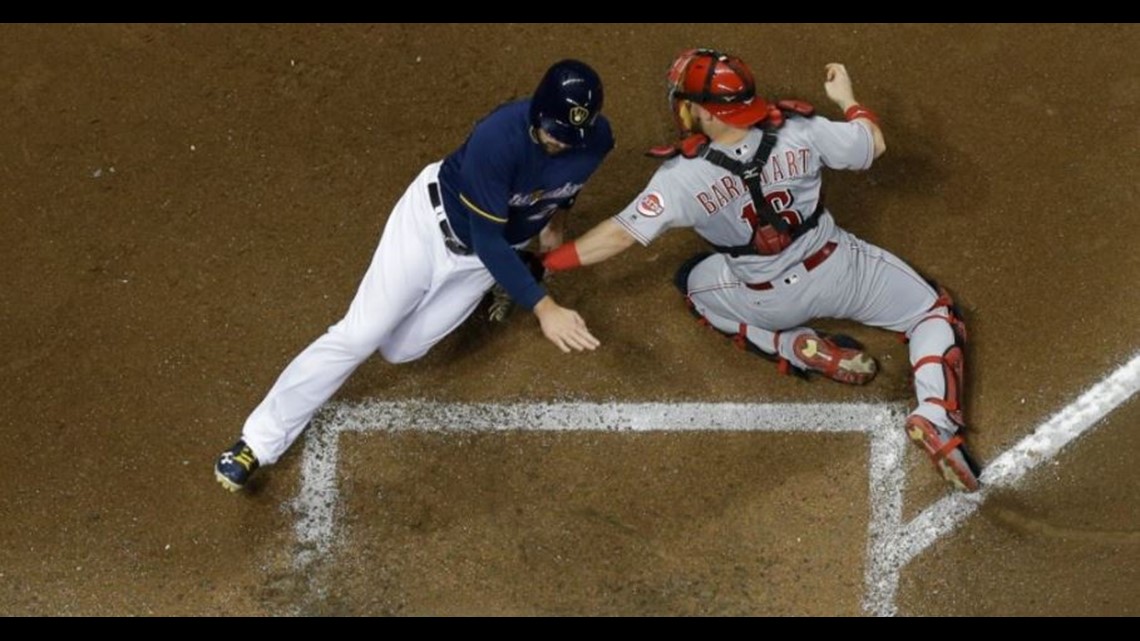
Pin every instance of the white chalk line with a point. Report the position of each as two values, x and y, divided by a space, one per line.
887 479
783 417
317 502
891 544
892 548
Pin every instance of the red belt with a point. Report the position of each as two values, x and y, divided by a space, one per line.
810 263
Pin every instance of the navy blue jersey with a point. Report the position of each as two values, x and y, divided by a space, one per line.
501 189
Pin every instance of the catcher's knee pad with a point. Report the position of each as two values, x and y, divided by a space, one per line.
681 278
943 308
953 314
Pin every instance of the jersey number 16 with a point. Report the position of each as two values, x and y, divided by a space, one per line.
781 202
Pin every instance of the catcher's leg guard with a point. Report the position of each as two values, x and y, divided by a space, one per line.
952 362
929 343
937 343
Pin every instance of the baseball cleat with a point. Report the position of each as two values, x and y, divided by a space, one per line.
844 363
501 304
946 451
235 465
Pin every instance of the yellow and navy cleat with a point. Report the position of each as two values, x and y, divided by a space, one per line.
235 466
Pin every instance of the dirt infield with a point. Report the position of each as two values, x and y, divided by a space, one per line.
184 207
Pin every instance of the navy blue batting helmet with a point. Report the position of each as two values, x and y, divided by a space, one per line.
567 101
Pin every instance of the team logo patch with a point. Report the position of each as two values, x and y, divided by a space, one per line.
578 115
651 205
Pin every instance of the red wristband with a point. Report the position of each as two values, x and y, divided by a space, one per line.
562 258
859 111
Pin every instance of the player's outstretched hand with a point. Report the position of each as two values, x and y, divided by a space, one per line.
838 85
564 327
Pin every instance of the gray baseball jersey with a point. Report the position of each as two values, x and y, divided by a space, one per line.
696 193
854 280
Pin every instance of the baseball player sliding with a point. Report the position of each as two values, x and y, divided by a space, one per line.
746 176
452 235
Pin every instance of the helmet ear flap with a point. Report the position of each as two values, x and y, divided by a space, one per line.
683 114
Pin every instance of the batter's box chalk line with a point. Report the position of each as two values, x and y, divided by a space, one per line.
891 544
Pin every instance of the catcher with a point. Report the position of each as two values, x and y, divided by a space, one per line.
746 175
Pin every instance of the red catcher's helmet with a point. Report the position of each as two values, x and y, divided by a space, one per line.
720 83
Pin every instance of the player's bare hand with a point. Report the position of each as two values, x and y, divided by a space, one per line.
564 327
548 239
838 85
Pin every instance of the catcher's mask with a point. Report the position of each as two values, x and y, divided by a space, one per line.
720 83
567 102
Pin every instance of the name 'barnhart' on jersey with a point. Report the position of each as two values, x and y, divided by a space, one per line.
693 192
